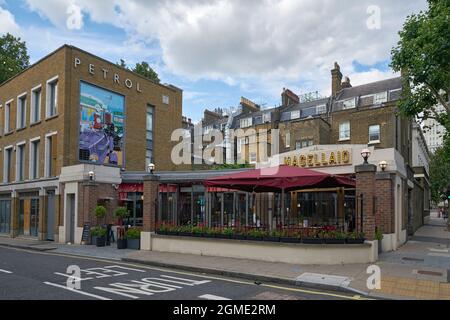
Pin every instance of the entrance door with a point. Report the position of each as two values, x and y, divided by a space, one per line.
71 216
5 216
51 215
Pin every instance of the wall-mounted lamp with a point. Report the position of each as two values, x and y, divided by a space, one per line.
151 168
91 175
383 165
365 154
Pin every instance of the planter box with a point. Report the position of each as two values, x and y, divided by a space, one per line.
197 235
255 238
134 244
161 232
223 236
94 240
335 241
185 234
272 239
101 241
121 243
210 236
355 241
289 240
312 241
238 237
171 233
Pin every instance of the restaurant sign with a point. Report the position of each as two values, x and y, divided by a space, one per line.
319 159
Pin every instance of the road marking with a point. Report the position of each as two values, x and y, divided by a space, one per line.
185 273
438 250
212 297
77 291
444 255
5 271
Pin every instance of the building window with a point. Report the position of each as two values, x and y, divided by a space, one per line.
35 114
380 98
288 139
50 155
21 111
8 116
344 131
267 117
20 162
298 145
165 99
246 122
349 104
321 109
34 159
7 161
374 134
52 97
307 143
253 157
295 114
149 138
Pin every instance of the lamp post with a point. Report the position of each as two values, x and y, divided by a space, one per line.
383 165
365 154
151 168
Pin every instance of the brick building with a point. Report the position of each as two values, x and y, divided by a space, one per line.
71 125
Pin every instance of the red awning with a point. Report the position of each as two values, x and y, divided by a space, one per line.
280 178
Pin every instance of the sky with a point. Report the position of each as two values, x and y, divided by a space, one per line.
220 50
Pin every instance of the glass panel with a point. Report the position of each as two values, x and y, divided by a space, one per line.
228 209
185 212
241 214
317 208
199 208
34 217
216 207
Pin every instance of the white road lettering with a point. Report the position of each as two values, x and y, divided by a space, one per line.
125 268
187 282
212 297
125 289
71 276
76 291
5 271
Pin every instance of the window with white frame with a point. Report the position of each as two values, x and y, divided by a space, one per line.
50 155
380 98
240 143
288 139
35 107
349 104
149 137
246 122
344 131
267 117
298 145
20 162
7 162
52 97
165 99
253 157
34 159
321 109
7 127
295 114
374 134
21 111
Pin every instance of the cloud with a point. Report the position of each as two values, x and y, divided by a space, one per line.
254 43
8 23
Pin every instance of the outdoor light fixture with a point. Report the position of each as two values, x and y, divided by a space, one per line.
91 175
383 165
151 168
365 154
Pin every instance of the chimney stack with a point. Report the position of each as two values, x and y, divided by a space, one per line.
336 79
346 83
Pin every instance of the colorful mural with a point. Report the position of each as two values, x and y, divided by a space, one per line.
102 116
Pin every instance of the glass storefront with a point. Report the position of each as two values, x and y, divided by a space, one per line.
5 216
134 204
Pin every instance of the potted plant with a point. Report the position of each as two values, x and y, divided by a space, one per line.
162 229
334 237
290 237
226 233
100 212
98 235
185 231
133 238
239 235
172 230
355 238
121 213
197 231
379 237
273 236
313 237
212 232
256 235
121 239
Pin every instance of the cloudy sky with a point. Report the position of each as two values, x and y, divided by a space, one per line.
220 50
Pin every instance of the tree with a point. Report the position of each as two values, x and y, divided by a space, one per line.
13 56
146 71
440 171
423 57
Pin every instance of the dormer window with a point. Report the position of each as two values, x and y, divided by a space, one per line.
349 104
380 98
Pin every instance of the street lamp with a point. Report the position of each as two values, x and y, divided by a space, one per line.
383 165
151 167
91 175
365 154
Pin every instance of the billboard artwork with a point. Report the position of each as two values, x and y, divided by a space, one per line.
102 115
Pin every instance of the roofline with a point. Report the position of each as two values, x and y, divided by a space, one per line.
362 85
68 46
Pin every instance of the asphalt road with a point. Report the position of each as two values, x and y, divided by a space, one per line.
34 275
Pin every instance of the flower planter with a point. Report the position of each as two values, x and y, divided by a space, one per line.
134 244
355 241
239 237
272 239
121 243
101 241
210 236
172 233
185 234
197 235
335 241
289 240
312 240
223 236
161 232
94 240
254 238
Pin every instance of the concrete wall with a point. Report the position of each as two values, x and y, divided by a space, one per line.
263 251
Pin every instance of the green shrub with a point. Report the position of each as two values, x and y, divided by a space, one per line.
133 233
378 235
228 231
121 212
100 212
98 232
